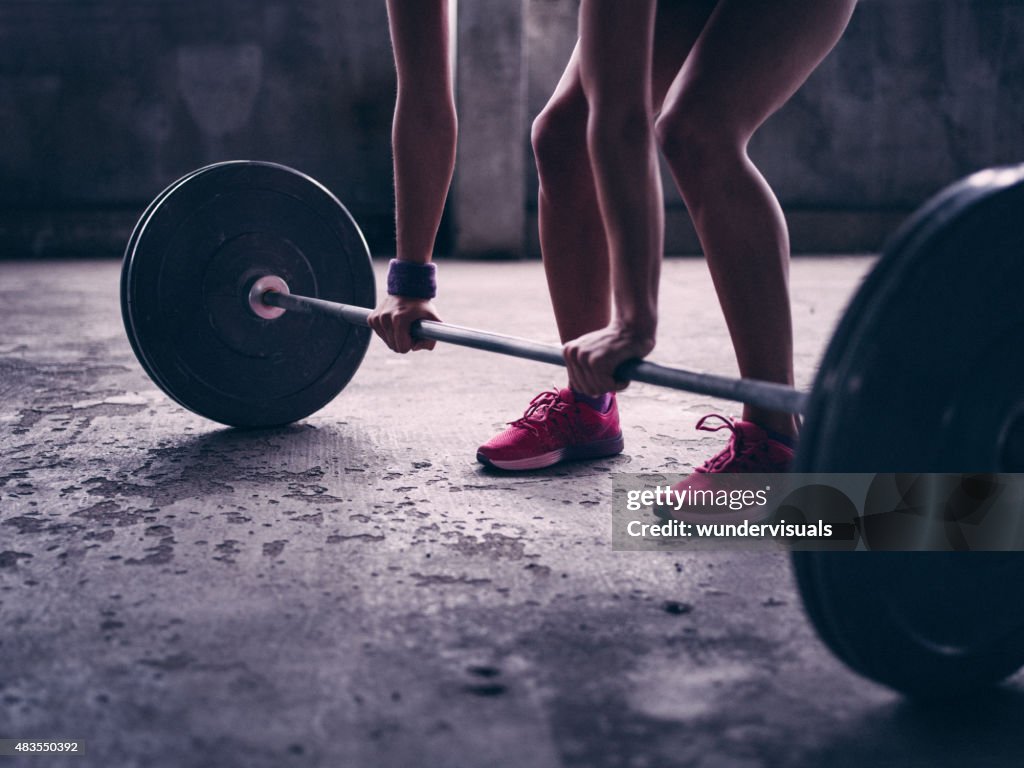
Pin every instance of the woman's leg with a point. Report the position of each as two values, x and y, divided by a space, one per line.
749 59
572 233
572 240
556 427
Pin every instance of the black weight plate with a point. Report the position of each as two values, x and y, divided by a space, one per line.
925 374
185 282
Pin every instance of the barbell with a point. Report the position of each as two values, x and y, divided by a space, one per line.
237 275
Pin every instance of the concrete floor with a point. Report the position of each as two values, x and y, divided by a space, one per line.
355 591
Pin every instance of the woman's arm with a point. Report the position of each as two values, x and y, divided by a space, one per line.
423 138
616 41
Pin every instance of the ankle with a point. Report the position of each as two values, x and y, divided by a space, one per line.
601 404
782 427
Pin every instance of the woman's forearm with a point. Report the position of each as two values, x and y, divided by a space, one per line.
424 131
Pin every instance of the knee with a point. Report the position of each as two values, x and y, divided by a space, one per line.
558 137
697 146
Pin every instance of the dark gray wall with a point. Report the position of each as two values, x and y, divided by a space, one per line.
103 102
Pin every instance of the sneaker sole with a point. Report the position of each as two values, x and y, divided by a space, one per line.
596 450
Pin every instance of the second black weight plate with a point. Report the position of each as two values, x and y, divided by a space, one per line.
926 374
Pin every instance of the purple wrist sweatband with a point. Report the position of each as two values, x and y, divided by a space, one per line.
407 278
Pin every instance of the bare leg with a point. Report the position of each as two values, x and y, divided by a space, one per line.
572 233
749 59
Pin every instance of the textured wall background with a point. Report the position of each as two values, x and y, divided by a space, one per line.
103 102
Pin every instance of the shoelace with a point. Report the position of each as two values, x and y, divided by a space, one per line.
544 406
727 454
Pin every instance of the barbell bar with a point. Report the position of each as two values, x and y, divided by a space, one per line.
776 397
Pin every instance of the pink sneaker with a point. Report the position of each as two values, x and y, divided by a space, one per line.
750 451
554 428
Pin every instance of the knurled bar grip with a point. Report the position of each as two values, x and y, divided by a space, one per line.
768 395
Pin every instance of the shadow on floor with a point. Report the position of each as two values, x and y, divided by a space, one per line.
978 731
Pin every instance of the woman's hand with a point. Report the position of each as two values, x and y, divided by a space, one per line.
393 318
593 357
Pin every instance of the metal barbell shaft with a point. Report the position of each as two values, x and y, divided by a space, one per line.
769 395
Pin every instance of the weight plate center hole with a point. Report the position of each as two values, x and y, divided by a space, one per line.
259 289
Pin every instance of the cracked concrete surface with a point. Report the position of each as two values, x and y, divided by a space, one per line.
354 590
